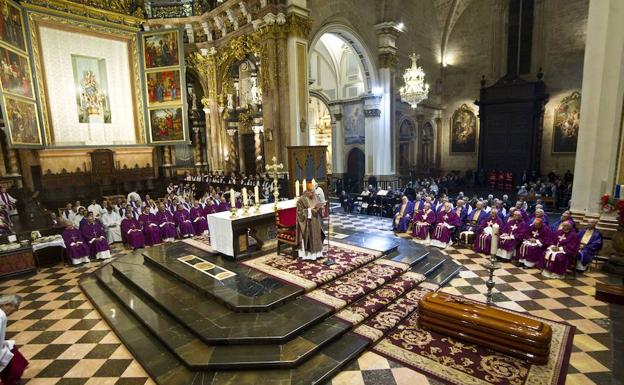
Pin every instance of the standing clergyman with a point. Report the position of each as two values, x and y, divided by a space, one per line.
309 230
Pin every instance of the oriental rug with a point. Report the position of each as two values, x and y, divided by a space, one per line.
310 274
353 286
365 307
201 242
453 361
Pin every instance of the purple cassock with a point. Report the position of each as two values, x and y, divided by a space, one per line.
223 206
556 226
167 225
556 262
200 224
591 243
95 236
75 245
483 235
402 217
462 213
536 240
510 237
422 224
442 231
474 218
185 225
210 209
151 231
532 219
132 233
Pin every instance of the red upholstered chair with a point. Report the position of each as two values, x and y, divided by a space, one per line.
286 221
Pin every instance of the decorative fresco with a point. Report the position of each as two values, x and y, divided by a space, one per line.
566 124
353 118
161 49
464 128
22 121
91 85
15 75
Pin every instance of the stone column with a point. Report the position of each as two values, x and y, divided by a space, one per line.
387 33
378 140
167 160
337 142
601 106
297 56
437 137
197 155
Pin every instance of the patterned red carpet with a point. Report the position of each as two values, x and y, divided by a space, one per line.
310 274
456 362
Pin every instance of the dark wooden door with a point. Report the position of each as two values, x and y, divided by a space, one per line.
355 170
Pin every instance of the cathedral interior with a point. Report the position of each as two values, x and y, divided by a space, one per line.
333 192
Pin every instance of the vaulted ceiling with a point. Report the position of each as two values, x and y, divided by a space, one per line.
448 12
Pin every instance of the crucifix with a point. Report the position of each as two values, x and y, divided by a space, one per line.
274 167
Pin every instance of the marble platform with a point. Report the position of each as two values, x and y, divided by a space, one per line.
185 327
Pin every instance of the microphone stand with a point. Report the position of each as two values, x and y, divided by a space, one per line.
329 261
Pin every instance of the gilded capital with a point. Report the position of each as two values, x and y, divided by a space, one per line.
299 25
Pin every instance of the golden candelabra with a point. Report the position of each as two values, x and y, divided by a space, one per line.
274 167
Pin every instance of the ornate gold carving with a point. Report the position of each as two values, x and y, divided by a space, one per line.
299 25
388 60
205 68
125 12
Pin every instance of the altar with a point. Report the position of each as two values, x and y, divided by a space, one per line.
229 235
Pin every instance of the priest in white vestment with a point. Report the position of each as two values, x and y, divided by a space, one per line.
112 222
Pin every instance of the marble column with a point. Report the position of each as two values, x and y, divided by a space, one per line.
167 160
297 56
438 143
378 140
601 106
337 142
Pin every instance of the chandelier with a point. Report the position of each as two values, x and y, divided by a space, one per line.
415 89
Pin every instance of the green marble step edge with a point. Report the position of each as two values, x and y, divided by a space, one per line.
425 261
203 356
165 369
224 340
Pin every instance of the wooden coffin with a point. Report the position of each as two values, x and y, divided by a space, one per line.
478 323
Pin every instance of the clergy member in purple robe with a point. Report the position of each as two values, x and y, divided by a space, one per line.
511 236
446 221
167 225
533 248
200 224
94 234
566 216
562 253
461 210
421 224
149 224
403 215
539 213
183 220
223 205
131 231
474 217
591 243
483 235
75 245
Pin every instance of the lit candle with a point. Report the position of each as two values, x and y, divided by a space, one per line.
257 194
305 185
297 189
245 201
494 247
232 199
313 183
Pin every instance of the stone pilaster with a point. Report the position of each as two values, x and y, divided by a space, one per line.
337 142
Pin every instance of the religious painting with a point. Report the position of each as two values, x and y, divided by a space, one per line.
15 74
22 121
166 125
464 127
161 49
566 124
353 119
91 85
11 25
163 87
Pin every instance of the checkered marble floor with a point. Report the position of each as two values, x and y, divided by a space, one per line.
68 343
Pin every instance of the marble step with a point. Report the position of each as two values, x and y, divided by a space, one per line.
196 354
165 369
212 322
248 290
443 274
428 266
410 253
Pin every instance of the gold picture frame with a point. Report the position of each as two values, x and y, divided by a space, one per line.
167 93
463 131
22 121
37 20
8 6
160 58
171 125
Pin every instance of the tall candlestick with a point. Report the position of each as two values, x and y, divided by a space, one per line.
256 195
494 248
232 199
245 200
297 189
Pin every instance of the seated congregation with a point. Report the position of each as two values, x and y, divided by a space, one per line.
137 221
523 238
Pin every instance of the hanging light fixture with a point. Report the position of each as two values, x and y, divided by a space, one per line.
415 89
